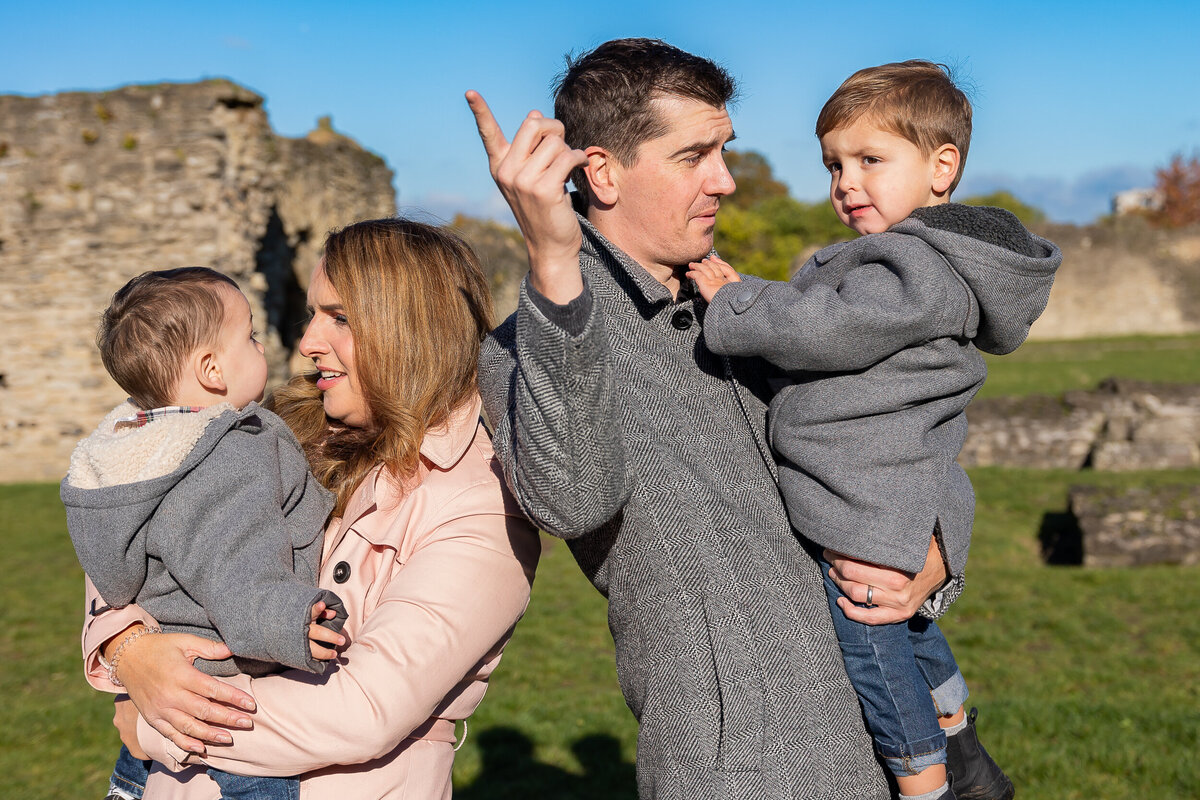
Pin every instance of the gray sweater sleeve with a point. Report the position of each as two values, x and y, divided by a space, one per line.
881 306
550 397
233 554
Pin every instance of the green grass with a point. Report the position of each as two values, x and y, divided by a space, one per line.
1088 680
1057 367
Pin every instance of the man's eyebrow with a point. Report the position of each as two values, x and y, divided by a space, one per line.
704 147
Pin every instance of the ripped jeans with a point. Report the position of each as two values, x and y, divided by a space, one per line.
905 677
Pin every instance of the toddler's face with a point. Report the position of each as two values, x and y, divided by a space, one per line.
876 177
241 356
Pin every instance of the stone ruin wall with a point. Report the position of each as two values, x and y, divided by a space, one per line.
98 187
1122 278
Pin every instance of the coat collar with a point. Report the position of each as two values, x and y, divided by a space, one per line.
642 286
442 448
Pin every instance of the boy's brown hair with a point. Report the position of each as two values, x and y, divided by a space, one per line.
916 100
154 323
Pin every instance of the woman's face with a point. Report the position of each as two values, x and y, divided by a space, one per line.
329 342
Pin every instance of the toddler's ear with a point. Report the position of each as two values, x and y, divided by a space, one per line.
946 160
208 371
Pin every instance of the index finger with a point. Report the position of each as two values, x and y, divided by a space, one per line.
494 142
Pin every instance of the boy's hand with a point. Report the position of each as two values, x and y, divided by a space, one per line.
318 634
710 275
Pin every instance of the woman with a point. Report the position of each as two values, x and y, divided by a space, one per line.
430 554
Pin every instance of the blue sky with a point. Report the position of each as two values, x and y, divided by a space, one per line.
1073 100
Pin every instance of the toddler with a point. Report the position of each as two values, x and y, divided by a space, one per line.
880 337
196 503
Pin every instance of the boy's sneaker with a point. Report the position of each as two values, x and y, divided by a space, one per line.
973 773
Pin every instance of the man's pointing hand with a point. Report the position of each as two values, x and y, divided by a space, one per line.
531 172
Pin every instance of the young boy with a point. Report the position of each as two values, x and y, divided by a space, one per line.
880 337
195 503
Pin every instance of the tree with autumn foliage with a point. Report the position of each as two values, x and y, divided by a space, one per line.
1178 184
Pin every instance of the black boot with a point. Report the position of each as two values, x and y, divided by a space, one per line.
973 773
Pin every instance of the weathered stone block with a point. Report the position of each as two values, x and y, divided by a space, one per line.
1120 426
1132 527
1037 431
1137 455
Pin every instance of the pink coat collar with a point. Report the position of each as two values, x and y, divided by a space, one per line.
442 448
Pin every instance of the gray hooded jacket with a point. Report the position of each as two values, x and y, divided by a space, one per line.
212 523
881 337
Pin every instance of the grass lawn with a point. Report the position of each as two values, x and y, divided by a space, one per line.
1088 681
1057 367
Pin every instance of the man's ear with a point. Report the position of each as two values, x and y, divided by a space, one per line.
946 160
601 169
208 371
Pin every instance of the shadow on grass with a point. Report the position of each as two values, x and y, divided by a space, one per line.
1061 539
510 771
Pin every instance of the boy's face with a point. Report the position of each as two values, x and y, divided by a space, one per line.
878 178
241 356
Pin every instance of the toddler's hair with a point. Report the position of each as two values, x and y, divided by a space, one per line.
154 323
916 100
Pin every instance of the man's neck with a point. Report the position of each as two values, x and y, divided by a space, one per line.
666 274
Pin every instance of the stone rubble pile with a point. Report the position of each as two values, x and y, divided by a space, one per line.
1121 426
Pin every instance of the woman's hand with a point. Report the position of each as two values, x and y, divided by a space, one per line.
177 699
125 717
895 595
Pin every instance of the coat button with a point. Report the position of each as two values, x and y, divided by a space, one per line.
682 319
746 295
341 573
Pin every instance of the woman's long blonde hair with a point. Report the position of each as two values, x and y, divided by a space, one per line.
418 305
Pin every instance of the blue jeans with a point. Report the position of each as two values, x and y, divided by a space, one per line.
905 677
129 775
249 787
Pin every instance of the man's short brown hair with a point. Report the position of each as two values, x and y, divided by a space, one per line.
604 97
916 100
154 323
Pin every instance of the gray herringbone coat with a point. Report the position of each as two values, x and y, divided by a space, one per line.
622 433
881 339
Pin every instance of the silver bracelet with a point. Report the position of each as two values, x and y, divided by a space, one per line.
116 656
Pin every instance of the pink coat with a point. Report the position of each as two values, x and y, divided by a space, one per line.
438 575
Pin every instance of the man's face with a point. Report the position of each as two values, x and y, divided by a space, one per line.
667 200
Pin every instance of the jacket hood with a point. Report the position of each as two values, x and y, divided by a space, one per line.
1006 271
117 479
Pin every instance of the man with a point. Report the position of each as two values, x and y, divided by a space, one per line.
622 433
